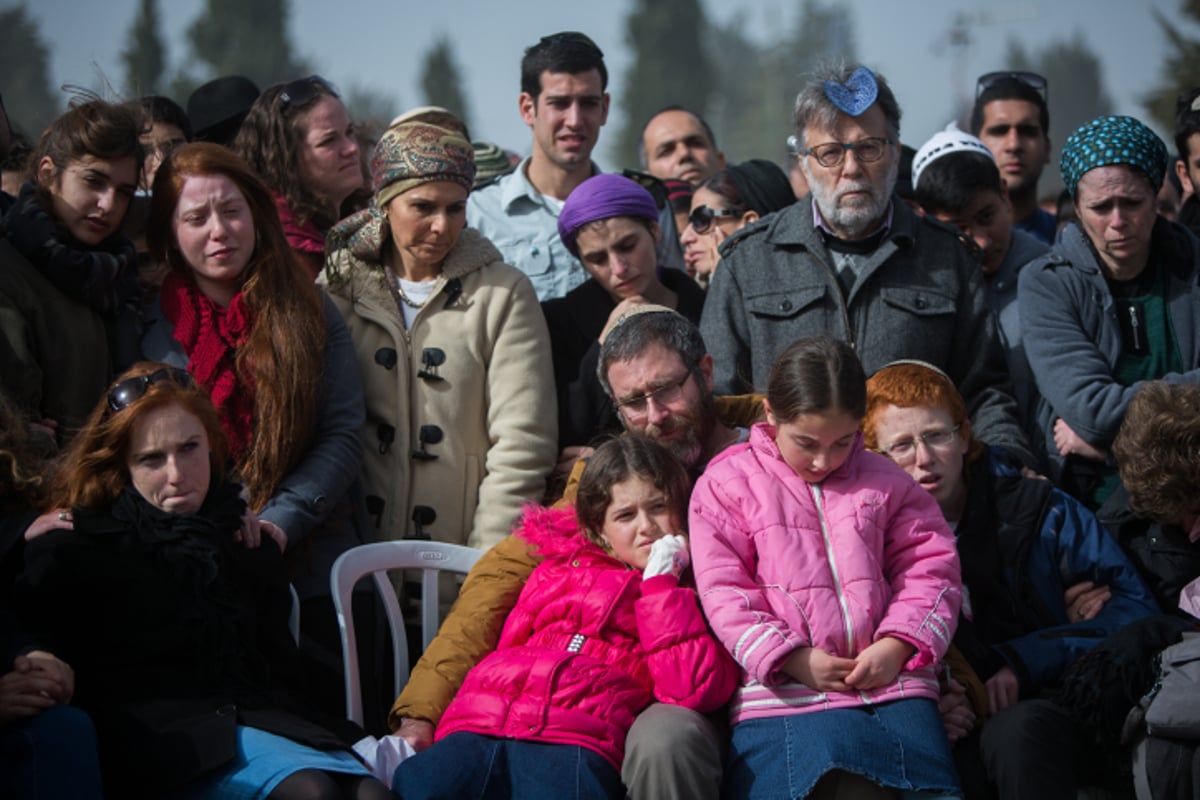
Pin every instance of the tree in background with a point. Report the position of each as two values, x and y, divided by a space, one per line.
756 84
1076 92
25 73
371 112
441 80
235 37
1181 66
669 66
145 55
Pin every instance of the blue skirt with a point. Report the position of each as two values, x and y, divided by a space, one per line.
901 744
263 760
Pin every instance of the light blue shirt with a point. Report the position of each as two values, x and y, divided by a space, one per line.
523 224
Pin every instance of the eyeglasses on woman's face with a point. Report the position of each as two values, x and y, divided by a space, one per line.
702 217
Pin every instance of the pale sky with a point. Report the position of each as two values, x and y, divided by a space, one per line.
381 43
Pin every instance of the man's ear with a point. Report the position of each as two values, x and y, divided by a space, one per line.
1049 149
1186 179
604 117
527 106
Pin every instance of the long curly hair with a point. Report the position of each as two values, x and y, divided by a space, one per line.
284 353
270 140
94 470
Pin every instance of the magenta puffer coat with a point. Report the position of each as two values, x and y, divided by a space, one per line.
588 646
783 564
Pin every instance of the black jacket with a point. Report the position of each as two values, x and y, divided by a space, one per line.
175 637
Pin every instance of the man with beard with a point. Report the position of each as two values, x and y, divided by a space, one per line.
858 264
654 366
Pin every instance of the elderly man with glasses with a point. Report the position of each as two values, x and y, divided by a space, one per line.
854 263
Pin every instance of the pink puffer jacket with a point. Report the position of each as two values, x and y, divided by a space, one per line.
587 647
781 564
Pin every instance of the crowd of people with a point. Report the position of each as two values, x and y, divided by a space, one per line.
865 478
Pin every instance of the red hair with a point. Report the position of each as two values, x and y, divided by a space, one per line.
910 385
94 470
284 353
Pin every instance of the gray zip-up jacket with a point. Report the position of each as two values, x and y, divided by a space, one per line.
919 296
1073 339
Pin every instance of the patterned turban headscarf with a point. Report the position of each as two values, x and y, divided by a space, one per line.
417 152
603 197
1107 141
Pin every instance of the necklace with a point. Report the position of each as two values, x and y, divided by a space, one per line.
408 301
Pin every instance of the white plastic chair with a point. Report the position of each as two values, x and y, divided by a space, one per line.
377 560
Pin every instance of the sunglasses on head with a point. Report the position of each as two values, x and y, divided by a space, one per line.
1030 79
130 390
702 217
303 91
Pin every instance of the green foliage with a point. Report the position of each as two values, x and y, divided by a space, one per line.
145 55
669 67
240 37
757 83
441 80
25 73
1181 64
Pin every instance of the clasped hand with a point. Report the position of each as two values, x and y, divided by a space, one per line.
877 665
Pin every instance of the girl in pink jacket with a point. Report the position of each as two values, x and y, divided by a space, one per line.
833 581
602 628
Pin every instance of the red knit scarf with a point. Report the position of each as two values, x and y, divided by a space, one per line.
210 336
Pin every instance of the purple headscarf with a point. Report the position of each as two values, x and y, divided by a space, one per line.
603 197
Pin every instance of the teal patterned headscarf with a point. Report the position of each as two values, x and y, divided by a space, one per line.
1107 141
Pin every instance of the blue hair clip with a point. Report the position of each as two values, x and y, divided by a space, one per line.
855 95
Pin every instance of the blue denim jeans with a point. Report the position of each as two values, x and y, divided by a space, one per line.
50 756
486 768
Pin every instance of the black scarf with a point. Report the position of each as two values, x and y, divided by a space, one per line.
103 277
201 536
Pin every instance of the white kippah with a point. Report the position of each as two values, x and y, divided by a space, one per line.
944 142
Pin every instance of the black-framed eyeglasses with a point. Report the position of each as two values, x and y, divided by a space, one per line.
701 218
904 451
832 154
131 390
1030 79
570 37
302 91
636 408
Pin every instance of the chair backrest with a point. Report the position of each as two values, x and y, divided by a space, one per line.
376 560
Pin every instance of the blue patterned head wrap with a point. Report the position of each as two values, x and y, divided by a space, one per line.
1107 141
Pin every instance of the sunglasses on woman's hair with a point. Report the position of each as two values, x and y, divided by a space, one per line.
303 91
1030 79
131 390
701 218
